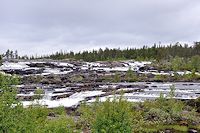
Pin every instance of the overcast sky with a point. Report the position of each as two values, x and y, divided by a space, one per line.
46 26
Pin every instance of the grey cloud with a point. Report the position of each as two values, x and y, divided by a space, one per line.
46 26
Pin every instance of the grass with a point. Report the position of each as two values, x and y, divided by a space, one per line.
156 128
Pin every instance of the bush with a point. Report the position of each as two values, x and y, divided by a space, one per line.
62 124
130 76
158 116
117 77
109 116
76 78
11 111
38 94
190 116
34 119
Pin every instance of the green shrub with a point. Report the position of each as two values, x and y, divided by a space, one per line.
158 116
62 124
117 77
108 116
190 116
34 119
38 93
130 76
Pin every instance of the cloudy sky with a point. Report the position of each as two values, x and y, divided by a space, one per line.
46 26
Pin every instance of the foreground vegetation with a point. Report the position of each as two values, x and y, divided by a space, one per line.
16 119
113 115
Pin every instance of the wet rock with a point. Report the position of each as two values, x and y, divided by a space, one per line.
27 89
24 71
51 114
51 79
154 86
159 81
25 98
31 79
192 131
168 131
183 123
45 81
60 96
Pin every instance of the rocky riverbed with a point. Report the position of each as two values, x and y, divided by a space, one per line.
68 83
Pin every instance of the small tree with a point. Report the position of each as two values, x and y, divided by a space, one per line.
195 63
172 91
109 116
117 78
11 111
38 93
16 54
0 59
7 54
130 75
62 124
177 63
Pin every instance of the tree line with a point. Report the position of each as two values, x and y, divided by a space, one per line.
13 54
155 52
